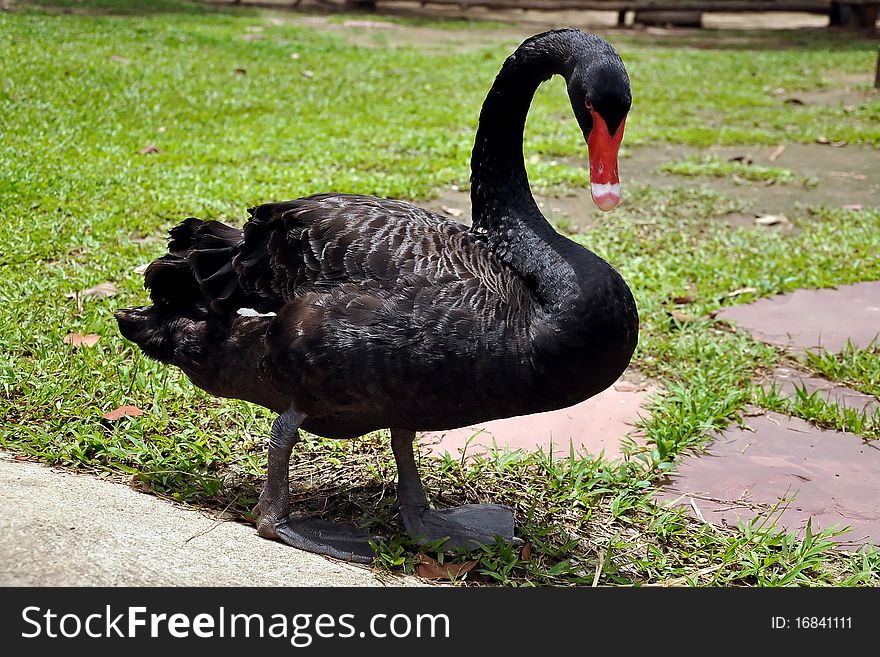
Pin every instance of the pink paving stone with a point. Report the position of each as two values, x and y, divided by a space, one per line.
810 319
833 477
788 380
596 424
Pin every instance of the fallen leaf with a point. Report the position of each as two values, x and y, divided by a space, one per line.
745 159
778 91
682 318
141 269
120 59
851 206
741 290
149 148
772 220
276 21
121 412
453 212
838 144
306 73
429 568
683 299
526 553
779 151
822 139
252 37
241 71
79 340
294 55
101 291
794 101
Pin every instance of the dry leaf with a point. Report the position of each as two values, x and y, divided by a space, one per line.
742 290
276 21
429 568
822 139
307 73
294 55
252 37
745 159
120 59
241 71
453 212
794 101
101 291
779 151
682 318
79 340
683 299
526 553
851 206
772 220
778 91
141 269
121 412
149 148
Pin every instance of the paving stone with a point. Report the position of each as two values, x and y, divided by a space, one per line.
787 380
829 476
596 424
813 319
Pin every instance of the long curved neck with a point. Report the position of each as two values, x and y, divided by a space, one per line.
502 203
499 184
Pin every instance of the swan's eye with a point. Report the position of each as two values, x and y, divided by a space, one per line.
589 104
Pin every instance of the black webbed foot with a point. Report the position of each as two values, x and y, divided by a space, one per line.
460 528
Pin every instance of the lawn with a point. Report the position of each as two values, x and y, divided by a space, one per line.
117 125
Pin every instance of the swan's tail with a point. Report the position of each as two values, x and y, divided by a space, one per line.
160 333
221 355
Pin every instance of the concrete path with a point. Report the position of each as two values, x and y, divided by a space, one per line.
58 528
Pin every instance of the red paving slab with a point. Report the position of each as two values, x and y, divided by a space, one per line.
596 424
811 319
832 477
787 380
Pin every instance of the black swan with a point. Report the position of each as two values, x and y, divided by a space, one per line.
347 314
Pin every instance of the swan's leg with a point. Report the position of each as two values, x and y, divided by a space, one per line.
273 509
464 527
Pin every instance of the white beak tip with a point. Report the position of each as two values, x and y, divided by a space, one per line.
605 195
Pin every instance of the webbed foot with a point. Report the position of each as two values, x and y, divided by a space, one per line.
463 528
318 536
273 509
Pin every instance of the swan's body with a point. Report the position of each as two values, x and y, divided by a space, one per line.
372 313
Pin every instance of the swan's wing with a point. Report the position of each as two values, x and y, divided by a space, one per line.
380 353
330 240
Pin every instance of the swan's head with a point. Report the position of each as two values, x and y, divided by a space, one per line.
601 98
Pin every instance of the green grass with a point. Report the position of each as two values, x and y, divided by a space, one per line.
237 121
714 166
859 368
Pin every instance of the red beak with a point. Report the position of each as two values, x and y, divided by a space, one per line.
604 180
